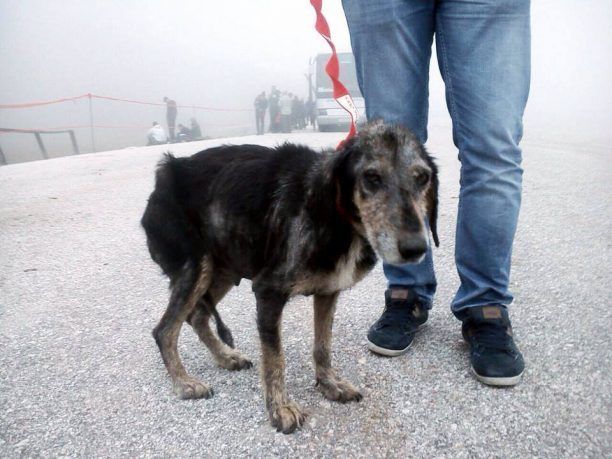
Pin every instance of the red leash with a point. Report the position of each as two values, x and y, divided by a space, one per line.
332 68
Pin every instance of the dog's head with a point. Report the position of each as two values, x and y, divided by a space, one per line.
389 183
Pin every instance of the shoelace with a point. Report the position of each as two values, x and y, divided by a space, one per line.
491 336
396 313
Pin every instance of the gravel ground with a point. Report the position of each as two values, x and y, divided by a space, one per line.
80 374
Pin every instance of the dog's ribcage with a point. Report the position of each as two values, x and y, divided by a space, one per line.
345 275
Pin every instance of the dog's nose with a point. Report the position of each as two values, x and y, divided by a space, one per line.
412 248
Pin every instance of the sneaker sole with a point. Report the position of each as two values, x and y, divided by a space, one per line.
498 381
390 352
387 352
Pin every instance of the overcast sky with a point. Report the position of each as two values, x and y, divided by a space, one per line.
196 51
223 53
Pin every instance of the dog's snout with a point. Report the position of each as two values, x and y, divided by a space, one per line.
412 248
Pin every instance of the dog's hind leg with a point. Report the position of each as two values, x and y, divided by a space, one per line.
187 288
224 355
328 383
284 414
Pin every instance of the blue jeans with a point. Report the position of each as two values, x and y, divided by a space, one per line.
483 50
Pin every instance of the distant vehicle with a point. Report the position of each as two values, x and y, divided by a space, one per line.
330 116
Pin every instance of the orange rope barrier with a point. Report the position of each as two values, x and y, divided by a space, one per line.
106 126
47 102
116 99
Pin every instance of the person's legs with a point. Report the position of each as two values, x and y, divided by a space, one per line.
391 41
259 121
484 53
171 119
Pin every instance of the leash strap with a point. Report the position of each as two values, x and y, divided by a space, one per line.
341 94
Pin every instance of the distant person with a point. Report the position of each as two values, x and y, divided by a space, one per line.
156 135
302 114
171 112
184 133
261 104
295 111
285 104
274 109
196 132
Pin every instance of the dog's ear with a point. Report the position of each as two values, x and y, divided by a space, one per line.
343 178
328 191
341 162
431 201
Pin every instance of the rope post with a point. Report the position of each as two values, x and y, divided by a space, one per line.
75 146
91 123
43 150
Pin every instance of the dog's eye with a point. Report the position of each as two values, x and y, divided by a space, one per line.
421 177
372 180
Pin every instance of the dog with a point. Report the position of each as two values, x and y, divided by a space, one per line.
294 222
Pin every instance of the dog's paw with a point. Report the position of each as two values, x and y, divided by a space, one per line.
191 388
287 417
234 361
338 390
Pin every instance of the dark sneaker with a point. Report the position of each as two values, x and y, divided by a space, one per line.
393 333
495 359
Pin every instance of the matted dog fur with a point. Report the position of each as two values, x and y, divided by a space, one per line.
295 222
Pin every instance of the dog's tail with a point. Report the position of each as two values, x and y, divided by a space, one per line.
222 330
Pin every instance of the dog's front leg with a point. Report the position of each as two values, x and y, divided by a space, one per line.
330 385
284 414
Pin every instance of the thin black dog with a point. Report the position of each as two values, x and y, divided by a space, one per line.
294 221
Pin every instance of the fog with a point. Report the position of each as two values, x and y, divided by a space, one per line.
222 54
